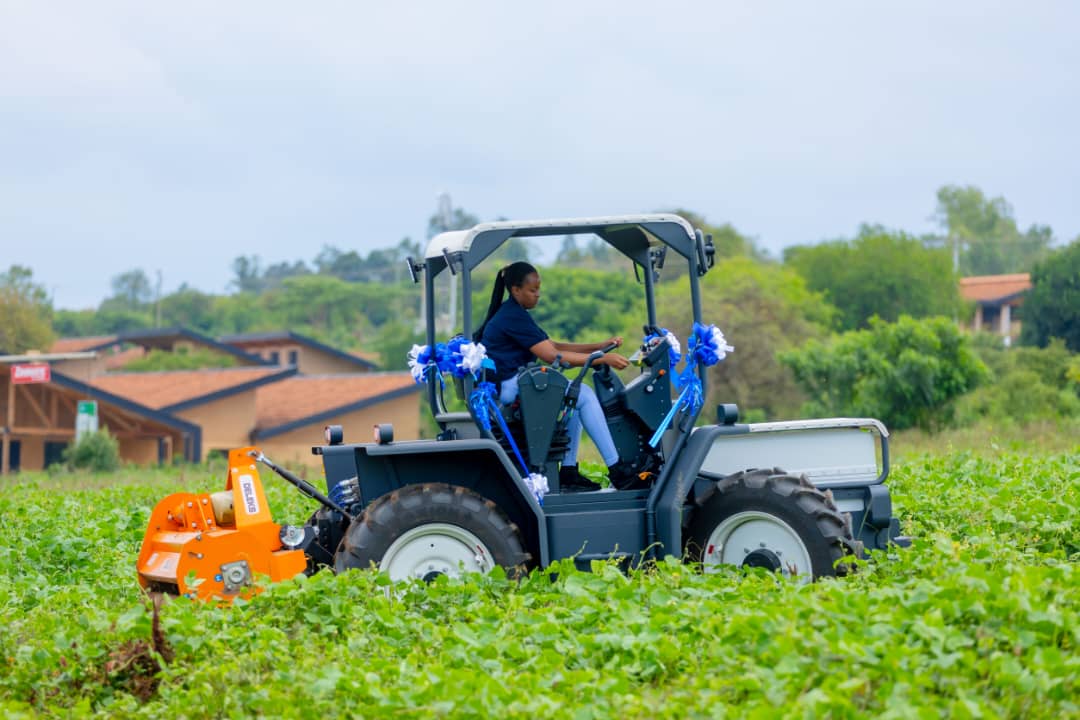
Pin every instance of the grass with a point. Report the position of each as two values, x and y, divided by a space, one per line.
991 438
980 618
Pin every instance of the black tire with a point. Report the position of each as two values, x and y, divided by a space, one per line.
774 500
443 514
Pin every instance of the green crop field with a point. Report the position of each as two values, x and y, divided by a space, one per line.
980 619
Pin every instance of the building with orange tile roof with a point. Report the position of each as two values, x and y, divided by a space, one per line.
291 414
997 300
162 416
220 401
39 416
307 354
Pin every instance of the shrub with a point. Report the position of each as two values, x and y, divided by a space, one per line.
182 358
1052 308
906 373
762 308
1072 373
1028 383
879 273
97 451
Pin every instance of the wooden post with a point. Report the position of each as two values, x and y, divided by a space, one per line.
5 448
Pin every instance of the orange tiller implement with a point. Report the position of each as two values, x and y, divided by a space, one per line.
207 545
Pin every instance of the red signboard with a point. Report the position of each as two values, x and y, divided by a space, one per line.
31 373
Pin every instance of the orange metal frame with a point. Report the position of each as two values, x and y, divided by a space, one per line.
184 549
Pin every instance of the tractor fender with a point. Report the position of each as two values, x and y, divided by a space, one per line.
679 478
836 454
477 464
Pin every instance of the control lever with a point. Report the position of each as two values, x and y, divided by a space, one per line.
574 391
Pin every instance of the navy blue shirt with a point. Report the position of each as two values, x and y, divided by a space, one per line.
508 336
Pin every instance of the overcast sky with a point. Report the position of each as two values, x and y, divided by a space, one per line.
132 135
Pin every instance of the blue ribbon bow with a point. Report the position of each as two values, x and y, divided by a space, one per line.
706 346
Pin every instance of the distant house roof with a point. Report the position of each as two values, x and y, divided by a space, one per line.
159 338
117 360
305 399
80 344
192 453
368 357
176 390
994 289
270 339
34 357
166 339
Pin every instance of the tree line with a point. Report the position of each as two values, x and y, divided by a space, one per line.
771 309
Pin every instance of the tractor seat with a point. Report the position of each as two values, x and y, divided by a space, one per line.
532 417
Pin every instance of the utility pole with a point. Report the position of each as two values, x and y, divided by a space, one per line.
956 269
157 301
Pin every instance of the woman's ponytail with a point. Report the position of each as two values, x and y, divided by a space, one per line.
493 307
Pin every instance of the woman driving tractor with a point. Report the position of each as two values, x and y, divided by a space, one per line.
513 339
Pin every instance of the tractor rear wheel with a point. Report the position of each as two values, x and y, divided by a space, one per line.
772 519
424 531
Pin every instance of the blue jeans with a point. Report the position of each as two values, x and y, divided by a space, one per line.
588 411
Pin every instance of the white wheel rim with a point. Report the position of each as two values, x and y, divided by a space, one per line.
736 537
433 549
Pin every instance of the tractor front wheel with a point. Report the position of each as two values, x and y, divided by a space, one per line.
424 531
771 519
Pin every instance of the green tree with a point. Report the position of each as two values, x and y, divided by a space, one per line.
335 311
393 341
187 307
25 312
570 254
275 274
76 323
728 241
1026 383
762 308
581 305
132 290
450 218
1052 308
242 312
247 274
594 255
906 373
180 359
879 273
990 241
111 320
347 266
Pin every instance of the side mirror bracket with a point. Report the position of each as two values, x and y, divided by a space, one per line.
415 269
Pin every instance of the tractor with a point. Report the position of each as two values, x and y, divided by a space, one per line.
794 497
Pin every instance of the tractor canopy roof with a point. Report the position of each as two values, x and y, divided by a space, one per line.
631 235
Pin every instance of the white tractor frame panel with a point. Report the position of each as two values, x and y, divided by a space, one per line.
833 452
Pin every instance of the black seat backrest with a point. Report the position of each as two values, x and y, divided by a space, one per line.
532 420
541 391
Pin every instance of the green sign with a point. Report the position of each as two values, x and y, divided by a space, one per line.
86 419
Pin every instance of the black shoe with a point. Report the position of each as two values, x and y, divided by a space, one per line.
570 480
623 477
